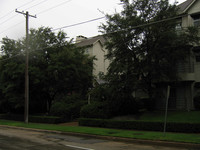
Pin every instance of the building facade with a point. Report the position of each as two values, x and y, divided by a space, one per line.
95 47
183 93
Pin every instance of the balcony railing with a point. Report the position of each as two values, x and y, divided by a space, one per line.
185 68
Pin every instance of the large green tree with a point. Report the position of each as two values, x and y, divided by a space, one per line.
144 45
56 68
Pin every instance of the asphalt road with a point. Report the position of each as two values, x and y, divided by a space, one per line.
17 139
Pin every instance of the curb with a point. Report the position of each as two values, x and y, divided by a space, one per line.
118 139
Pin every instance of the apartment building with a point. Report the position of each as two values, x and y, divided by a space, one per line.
95 47
182 93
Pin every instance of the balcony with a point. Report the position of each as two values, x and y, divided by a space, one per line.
186 71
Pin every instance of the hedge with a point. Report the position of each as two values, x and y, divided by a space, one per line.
141 125
34 119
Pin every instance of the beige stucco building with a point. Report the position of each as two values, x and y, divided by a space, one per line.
95 47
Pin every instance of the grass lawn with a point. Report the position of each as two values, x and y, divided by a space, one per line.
176 137
173 116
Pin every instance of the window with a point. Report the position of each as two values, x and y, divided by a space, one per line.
87 51
196 20
178 26
197 58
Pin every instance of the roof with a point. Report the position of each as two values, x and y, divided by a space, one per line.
91 41
185 5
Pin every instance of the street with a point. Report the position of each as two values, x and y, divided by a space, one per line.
18 139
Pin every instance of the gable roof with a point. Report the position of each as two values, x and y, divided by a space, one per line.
186 5
91 41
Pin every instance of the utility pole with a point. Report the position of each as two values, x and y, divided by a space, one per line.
166 109
26 105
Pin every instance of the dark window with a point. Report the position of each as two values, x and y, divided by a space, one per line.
197 58
178 26
196 19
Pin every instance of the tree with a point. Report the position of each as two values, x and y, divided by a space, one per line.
144 45
57 68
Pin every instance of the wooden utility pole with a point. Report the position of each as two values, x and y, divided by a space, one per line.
166 109
26 105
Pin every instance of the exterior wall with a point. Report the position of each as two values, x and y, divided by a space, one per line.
107 62
187 21
194 8
189 73
101 64
186 70
94 48
180 97
89 51
197 71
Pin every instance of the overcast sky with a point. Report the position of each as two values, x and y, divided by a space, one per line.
55 14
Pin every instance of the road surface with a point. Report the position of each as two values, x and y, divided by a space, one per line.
18 139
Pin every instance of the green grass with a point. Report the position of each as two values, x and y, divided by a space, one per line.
175 137
173 116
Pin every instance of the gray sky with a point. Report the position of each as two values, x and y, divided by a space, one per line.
55 14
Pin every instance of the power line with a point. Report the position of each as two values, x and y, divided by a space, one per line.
36 4
2 60
11 27
138 26
17 8
8 19
134 27
23 53
25 4
6 15
29 8
80 23
54 7
148 24
20 7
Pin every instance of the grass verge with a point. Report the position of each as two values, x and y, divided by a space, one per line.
175 137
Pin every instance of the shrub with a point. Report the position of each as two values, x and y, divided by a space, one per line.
69 111
46 119
35 119
141 125
73 110
123 104
148 104
197 103
95 110
58 108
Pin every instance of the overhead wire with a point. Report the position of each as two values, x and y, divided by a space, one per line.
21 53
138 26
53 7
17 8
2 60
25 4
20 7
88 21
30 8
12 27
80 23
8 19
37 4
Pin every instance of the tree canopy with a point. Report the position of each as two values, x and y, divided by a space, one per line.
57 68
145 45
